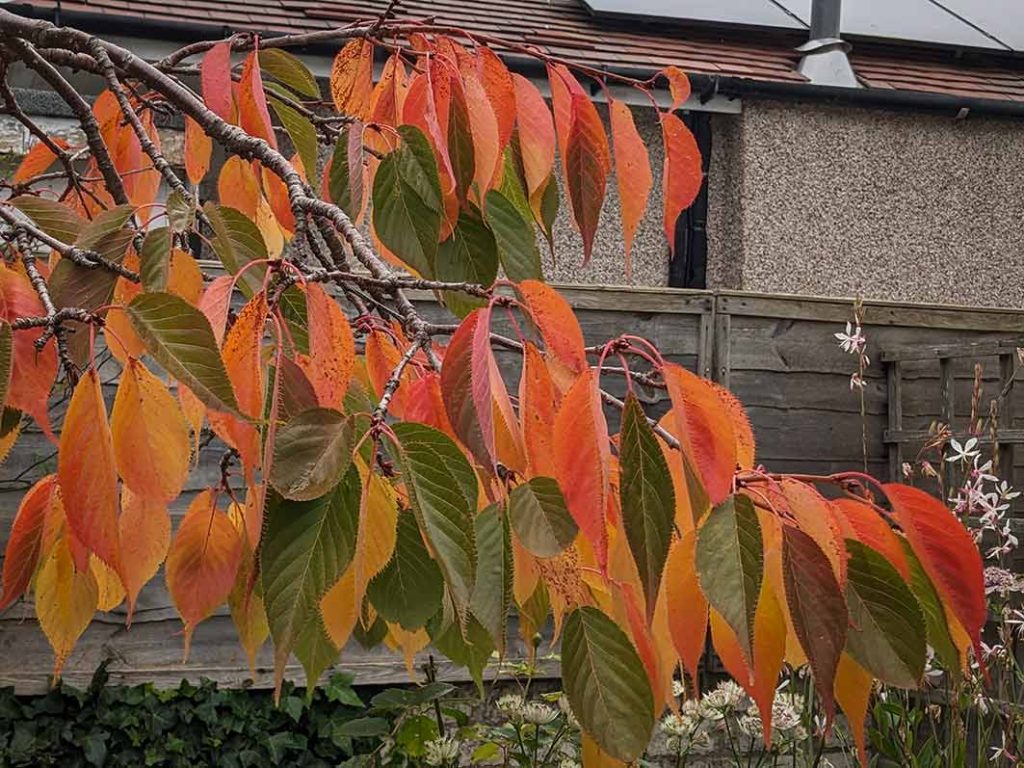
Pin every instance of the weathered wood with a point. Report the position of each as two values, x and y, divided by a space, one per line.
723 344
1006 436
894 376
973 350
1007 369
947 392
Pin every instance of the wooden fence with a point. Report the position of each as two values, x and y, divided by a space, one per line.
777 353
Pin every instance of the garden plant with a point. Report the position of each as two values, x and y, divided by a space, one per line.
414 469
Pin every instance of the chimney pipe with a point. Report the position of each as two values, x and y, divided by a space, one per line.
825 60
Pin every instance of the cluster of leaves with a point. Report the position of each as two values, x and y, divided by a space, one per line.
185 726
393 484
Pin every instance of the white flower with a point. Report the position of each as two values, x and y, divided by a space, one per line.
727 696
675 725
751 726
853 341
677 688
441 751
702 743
965 452
511 706
565 762
566 708
538 714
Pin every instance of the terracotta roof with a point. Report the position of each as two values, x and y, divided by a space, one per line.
566 28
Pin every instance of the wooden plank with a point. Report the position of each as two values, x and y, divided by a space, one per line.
722 348
894 376
706 352
1007 436
1007 369
947 392
975 349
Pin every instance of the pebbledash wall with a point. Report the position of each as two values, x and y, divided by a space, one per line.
808 198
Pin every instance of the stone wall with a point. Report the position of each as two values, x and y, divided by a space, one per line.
837 201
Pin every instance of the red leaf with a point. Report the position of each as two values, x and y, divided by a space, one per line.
817 518
872 529
704 430
537 407
427 103
586 161
252 105
386 103
632 172
817 608
25 542
948 554
682 175
556 322
332 349
678 85
215 302
33 370
86 472
352 78
483 123
497 82
536 138
382 356
582 459
215 80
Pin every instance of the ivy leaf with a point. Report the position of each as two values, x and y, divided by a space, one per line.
312 453
730 566
647 497
407 202
606 684
515 237
305 548
492 590
409 590
887 630
817 608
180 338
442 490
540 518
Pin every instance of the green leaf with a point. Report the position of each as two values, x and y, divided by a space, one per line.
305 548
936 623
181 212
549 210
94 233
6 361
492 592
410 588
414 733
155 259
288 69
540 518
515 236
404 698
363 727
648 500
817 608
460 143
606 684
442 491
302 133
55 219
887 630
407 204
730 565
180 338
471 647
237 241
312 452
345 187
470 255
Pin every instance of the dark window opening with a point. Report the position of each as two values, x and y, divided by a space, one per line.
688 268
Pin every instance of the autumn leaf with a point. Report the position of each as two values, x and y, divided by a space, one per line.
678 85
557 323
145 530
202 562
24 544
682 587
632 172
215 80
682 174
351 78
198 148
331 347
37 160
586 174
66 600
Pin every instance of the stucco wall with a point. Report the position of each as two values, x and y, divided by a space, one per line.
809 198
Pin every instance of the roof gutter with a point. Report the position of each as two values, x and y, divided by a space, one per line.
707 86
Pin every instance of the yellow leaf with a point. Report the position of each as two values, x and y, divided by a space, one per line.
150 435
110 590
248 611
593 757
66 600
378 529
410 643
145 528
340 608
853 692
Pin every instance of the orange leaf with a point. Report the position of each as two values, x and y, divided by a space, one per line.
33 370
66 600
150 435
24 544
37 160
703 428
948 554
682 176
110 590
853 692
382 356
184 277
745 443
497 82
483 124
215 80
536 137
332 349
248 611
586 168
632 172
872 529
817 518
237 186
252 102
581 460
769 652
194 411
198 148
557 323
426 403
378 529
352 78
340 607
678 85
387 99
276 193
202 562
215 303
145 529
537 406
688 614
86 471
593 757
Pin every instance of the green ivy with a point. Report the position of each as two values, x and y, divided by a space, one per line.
192 725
